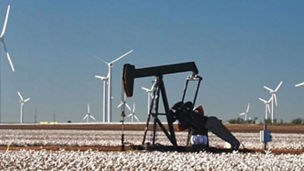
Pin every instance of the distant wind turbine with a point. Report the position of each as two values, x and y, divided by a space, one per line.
105 82
5 48
88 115
109 76
267 106
22 101
123 104
132 114
300 84
149 94
246 112
274 98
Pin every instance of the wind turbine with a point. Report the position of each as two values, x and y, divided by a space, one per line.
22 101
267 106
246 112
123 104
300 84
132 114
105 82
109 76
149 94
88 115
4 47
273 97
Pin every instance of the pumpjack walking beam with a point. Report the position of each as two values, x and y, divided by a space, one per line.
130 73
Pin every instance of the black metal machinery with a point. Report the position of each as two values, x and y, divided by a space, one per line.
188 118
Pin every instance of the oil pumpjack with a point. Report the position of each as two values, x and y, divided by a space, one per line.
188 118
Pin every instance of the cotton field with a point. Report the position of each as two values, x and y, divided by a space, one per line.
96 160
112 138
26 159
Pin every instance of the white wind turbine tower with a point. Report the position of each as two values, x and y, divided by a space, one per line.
132 114
109 76
267 106
88 115
5 49
22 101
105 82
149 94
273 97
300 84
246 112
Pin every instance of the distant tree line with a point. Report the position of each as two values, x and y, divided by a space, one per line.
242 121
297 121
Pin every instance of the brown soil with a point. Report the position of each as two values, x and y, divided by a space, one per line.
231 127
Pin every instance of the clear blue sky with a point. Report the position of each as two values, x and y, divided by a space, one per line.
238 46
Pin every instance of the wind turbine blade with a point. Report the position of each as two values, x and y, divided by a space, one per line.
91 116
5 21
248 107
128 107
8 56
20 96
129 115
118 106
270 99
121 56
133 107
263 100
100 77
153 85
300 84
242 114
267 88
88 108
275 99
146 89
278 86
85 117
136 118
98 58
26 100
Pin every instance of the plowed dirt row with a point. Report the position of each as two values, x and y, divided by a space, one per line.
101 126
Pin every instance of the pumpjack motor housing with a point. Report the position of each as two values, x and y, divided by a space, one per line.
201 124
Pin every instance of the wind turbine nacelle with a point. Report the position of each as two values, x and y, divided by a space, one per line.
130 73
